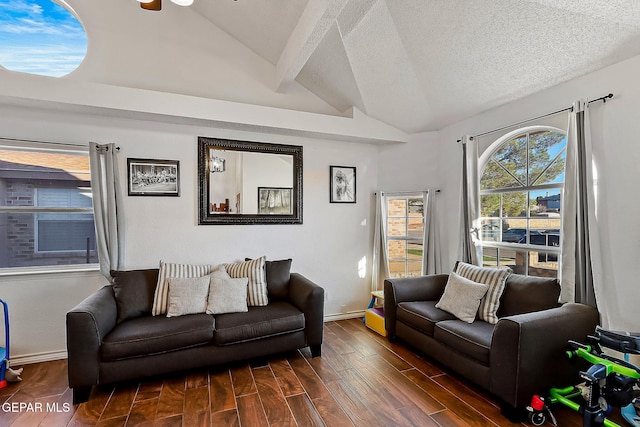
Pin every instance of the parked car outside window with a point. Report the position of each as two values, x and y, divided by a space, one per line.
519 235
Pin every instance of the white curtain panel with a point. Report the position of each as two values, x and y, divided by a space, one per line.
380 269
469 250
581 272
107 202
431 257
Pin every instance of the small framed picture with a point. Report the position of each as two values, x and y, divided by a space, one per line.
342 184
275 200
147 177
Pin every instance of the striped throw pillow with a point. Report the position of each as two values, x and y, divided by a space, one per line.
255 271
168 270
495 278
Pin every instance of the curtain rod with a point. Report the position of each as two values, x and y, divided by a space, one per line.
405 192
45 142
65 144
602 98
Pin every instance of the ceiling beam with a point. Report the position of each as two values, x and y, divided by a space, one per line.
313 25
68 96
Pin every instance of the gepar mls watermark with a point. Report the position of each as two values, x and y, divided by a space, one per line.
19 407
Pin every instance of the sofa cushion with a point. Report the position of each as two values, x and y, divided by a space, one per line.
493 277
462 297
422 315
156 334
278 275
134 292
277 318
470 339
526 294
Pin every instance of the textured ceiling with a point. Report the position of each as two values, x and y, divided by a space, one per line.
417 65
423 64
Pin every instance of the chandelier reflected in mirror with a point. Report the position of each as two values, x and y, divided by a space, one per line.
217 164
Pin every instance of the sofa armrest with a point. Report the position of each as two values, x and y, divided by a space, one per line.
87 325
422 288
527 353
309 298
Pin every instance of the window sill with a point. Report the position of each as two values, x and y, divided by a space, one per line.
28 271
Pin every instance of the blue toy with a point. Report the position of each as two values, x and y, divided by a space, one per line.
4 351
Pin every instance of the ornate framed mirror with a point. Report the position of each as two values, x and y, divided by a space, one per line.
243 182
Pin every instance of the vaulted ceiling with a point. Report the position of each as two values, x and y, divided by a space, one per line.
420 65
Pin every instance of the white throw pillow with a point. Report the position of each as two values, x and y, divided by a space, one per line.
495 278
226 295
187 295
161 297
255 271
462 297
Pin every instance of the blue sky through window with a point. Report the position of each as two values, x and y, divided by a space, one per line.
40 37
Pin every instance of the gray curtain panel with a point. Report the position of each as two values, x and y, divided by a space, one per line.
107 206
468 251
581 272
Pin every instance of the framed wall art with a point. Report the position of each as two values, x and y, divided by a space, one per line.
342 184
148 177
275 200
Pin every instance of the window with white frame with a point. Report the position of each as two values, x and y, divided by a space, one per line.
405 234
46 215
521 191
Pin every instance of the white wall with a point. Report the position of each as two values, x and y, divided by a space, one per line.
615 127
326 248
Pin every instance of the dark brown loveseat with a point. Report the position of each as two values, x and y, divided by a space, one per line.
113 338
521 355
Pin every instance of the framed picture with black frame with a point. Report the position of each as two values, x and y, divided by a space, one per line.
150 177
275 200
342 184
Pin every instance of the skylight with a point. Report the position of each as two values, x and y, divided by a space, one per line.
40 37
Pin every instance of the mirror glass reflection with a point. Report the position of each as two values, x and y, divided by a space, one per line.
250 183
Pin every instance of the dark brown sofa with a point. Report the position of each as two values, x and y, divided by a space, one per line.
521 355
113 338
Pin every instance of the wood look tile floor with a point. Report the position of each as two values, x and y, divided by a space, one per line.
360 380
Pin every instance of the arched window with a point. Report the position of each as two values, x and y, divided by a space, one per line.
40 37
521 190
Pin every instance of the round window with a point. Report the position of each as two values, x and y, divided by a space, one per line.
40 37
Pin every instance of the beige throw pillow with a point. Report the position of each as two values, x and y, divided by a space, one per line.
187 295
495 278
226 295
462 297
254 270
167 270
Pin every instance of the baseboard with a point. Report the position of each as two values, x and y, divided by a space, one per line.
28 359
341 316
